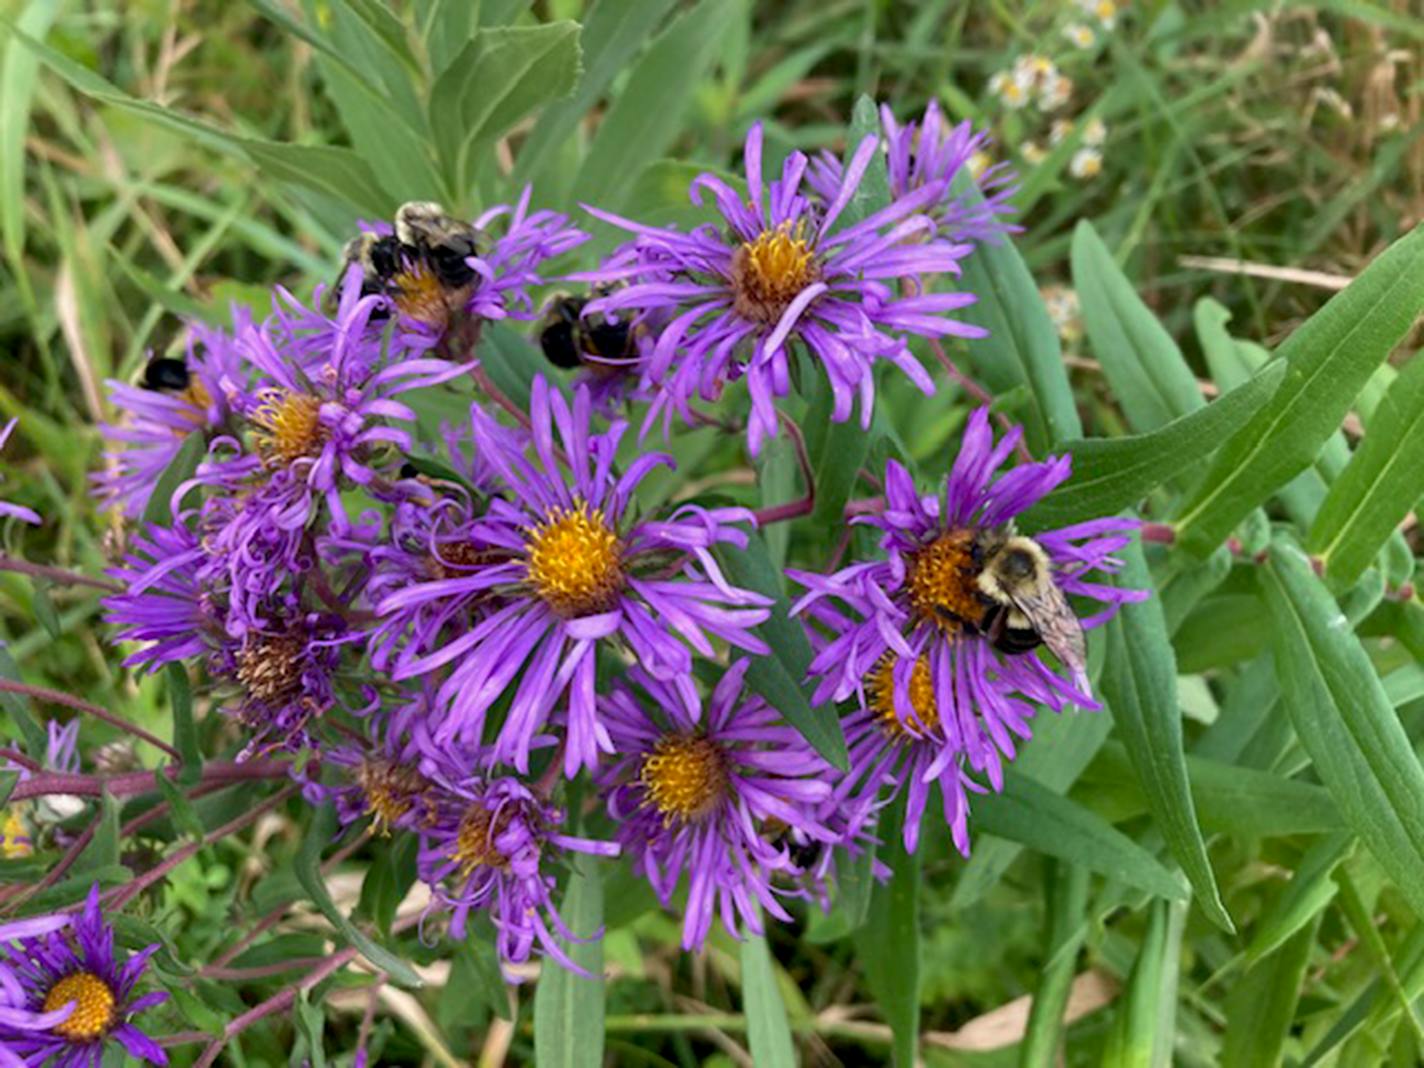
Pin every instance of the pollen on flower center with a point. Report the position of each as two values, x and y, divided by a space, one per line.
769 272
290 426
939 582
93 1013
575 561
880 695
199 400
15 836
419 295
271 667
390 790
474 842
685 776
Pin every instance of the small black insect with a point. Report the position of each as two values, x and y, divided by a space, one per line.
166 375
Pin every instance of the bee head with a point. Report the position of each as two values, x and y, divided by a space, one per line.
166 375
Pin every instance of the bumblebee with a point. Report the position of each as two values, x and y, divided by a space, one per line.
570 339
1023 606
164 374
444 242
380 258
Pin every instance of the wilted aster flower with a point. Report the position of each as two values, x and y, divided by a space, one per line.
64 993
18 511
565 568
491 847
733 301
688 797
920 613
175 398
931 152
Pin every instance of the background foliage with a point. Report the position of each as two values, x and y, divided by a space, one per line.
1237 873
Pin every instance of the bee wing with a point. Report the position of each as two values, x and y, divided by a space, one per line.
1051 614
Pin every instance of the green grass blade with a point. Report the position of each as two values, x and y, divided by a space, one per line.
1066 886
889 943
1262 1004
768 1031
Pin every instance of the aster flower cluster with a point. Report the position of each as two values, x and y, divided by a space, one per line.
455 631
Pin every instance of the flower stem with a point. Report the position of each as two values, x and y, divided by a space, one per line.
59 697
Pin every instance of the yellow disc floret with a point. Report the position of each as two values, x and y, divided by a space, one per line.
575 561
390 790
289 426
15 836
939 581
271 667
475 841
769 272
685 776
94 1006
880 695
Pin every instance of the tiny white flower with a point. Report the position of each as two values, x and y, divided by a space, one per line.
1009 89
1055 92
1061 303
1032 152
1059 131
979 163
1087 162
1080 35
1095 132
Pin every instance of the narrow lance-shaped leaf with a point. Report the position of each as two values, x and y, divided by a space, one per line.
1139 683
1110 474
1328 360
1022 348
1345 721
569 1008
1261 1005
1380 485
1033 815
768 1032
1149 377
1066 888
889 944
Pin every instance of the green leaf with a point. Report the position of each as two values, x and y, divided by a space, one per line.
43 606
1022 349
185 816
1329 359
612 33
185 731
1139 683
335 172
768 1031
873 192
8 781
1261 1005
1344 720
102 852
1110 474
307 866
500 76
1379 486
1149 377
158 511
1066 888
568 1009
1030 813
1230 360
1141 1034
889 944
389 878
18 707
776 677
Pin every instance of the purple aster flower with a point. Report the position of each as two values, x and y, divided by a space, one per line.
17 511
175 398
490 847
566 569
163 603
933 153
914 633
527 240
733 301
699 796
64 992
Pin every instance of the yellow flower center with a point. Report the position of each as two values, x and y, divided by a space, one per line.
289 426
474 841
271 668
390 790
940 582
769 272
685 777
880 693
93 1013
14 836
575 561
